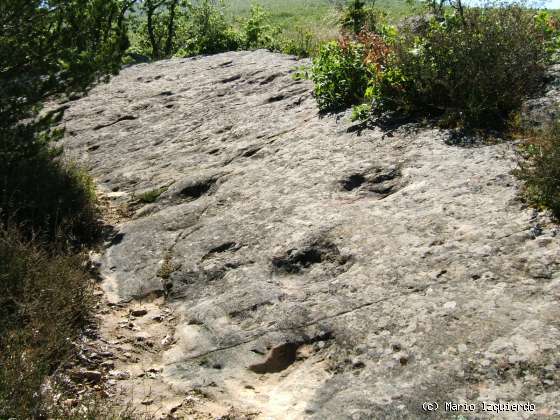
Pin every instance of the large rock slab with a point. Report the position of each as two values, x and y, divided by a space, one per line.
320 272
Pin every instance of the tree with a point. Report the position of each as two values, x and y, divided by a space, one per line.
47 48
171 27
161 16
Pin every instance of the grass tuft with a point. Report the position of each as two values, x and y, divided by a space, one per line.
151 196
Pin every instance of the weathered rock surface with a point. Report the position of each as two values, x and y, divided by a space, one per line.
317 272
544 110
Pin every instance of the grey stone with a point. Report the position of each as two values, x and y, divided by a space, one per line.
82 375
544 109
280 233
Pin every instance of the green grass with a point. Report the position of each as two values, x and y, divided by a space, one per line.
285 13
296 27
304 25
288 13
151 196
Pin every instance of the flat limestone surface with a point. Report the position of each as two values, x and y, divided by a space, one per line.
315 270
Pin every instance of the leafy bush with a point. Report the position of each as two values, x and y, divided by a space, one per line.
472 68
550 27
340 75
360 112
257 30
168 28
44 301
49 48
469 67
44 196
541 170
208 31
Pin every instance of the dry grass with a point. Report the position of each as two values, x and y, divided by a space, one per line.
45 301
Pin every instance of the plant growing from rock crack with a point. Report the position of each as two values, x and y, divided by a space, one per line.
151 196
340 75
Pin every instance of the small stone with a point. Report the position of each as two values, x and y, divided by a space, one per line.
93 376
119 374
168 340
175 408
450 305
109 364
147 401
138 312
462 348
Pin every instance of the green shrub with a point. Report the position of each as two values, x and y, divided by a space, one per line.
468 67
208 31
49 48
549 25
257 30
157 29
46 197
44 302
340 75
358 16
360 112
472 69
541 171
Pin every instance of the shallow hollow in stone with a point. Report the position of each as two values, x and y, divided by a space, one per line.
296 261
